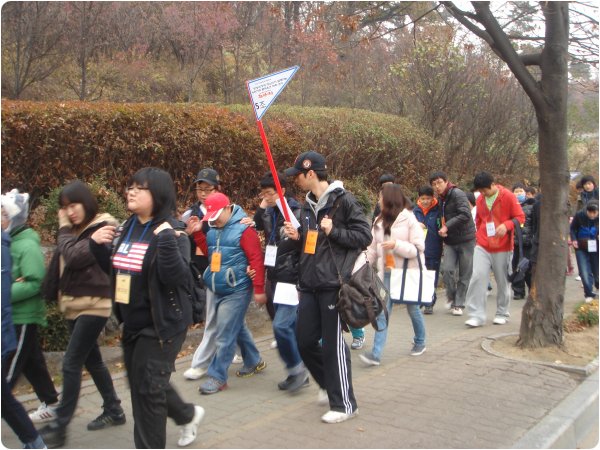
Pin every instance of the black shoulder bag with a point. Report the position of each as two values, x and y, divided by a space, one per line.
363 297
518 274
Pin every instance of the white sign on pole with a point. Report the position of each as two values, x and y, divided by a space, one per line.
264 90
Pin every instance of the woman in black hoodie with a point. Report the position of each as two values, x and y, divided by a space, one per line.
152 280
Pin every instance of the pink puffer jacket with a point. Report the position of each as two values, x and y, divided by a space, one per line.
409 236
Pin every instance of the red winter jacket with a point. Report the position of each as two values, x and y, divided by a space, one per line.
505 208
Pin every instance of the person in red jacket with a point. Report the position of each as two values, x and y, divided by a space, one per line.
496 209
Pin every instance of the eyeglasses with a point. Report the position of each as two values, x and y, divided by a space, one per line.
206 191
136 189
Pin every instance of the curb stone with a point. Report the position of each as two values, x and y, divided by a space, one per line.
568 424
586 370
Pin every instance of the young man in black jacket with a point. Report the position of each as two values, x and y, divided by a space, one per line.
281 263
458 231
333 230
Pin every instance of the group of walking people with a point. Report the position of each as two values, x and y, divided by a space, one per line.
140 269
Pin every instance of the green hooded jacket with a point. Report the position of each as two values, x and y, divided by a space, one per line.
28 267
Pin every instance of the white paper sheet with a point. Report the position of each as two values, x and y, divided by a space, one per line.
290 213
286 294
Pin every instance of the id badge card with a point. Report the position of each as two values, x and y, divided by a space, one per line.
490 228
592 246
270 255
390 262
122 288
215 262
311 242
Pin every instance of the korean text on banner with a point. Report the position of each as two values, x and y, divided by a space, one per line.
264 90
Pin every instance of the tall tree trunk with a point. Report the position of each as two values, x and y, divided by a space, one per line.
541 323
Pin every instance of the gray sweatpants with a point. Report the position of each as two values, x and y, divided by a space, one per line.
457 266
208 346
483 262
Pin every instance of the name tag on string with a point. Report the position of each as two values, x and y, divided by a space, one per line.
311 242
215 262
270 255
592 246
122 288
491 229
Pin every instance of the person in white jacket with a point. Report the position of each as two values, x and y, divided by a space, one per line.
397 235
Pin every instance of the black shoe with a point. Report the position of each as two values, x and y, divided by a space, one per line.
428 310
106 420
54 435
518 296
294 382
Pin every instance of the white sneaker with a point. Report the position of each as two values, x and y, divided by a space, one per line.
195 373
337 417
500 321
578 278
44 413
322 397
237 359
589 299
473 323
456 311
273 344
190 430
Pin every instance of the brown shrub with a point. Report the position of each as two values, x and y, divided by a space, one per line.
45 145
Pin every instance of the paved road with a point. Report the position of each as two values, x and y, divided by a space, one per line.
453 396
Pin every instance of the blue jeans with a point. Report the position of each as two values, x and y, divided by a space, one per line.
416 318
284 328
230 327
587 264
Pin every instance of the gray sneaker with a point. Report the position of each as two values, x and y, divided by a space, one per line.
418 349
357 343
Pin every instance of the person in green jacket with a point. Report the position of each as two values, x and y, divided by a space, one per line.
28 307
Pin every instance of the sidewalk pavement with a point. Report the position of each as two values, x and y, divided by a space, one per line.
455 395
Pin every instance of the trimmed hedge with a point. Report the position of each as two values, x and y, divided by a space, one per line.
44 145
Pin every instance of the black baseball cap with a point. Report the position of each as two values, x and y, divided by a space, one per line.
307 161
209 176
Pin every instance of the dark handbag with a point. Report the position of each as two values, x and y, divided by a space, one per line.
50 284
362 298
518 274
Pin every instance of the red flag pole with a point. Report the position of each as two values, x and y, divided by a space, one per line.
263 137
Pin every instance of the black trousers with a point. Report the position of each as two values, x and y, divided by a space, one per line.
149 365
28 360
519 287
329 361
83 351
13 412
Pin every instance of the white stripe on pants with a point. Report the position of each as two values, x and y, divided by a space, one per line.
483 262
